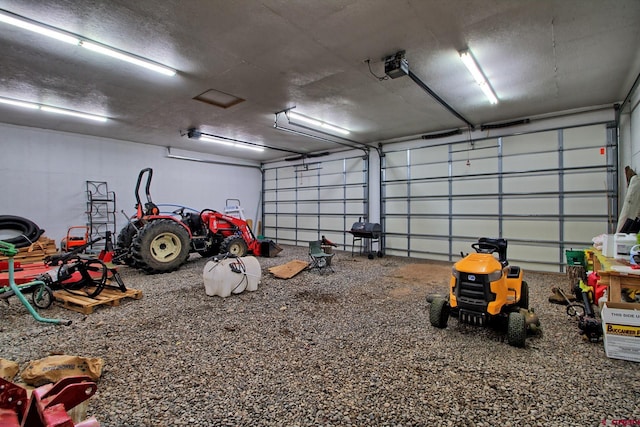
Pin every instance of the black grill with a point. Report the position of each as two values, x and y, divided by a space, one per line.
473 292
366 230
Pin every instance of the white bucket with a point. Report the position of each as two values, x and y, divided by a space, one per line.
231 276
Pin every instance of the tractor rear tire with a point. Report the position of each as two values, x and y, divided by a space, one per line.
234 245
123 244
516 329
524 296
439 313
161 246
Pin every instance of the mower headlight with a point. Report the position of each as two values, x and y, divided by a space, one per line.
496 275
455 273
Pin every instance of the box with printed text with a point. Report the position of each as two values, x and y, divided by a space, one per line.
621 332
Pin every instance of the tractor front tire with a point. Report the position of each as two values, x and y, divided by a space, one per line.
161 246
234 245
124 241
516 329
439 313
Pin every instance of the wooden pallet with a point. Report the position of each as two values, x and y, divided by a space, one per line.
288 270
85 305
35 252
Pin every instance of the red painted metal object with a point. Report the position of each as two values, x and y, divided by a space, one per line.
47 406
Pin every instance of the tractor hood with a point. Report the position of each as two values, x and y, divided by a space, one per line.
478 263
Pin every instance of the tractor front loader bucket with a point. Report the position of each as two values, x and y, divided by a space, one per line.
269 248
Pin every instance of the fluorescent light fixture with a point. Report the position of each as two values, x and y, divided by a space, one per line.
72 113
51 109
18 21
318 123
64 36
195 134
469 61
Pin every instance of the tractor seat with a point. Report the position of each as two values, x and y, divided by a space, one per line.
491 243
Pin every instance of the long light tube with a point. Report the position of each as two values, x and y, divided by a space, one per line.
469 61
318 123
50 109
221 141
36 27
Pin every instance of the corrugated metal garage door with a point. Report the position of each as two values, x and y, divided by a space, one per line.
305 201
544 192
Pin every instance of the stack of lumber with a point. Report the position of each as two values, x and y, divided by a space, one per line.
36 252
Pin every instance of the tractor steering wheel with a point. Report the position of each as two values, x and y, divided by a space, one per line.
485 248
206 210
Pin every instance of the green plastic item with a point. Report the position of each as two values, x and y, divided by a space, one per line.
576 258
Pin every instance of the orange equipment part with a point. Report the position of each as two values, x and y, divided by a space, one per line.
77 235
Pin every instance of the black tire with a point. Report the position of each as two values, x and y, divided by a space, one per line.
516 329
524 296
439 313
42 297
124 241
234 245
92 278
161 246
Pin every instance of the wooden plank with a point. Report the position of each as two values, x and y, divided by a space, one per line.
85 305
288 270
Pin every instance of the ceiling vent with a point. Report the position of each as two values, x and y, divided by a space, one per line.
218 98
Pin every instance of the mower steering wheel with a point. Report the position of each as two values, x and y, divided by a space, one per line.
485 248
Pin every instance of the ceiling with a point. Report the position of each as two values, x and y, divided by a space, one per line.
540 56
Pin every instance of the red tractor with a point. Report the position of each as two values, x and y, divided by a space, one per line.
159 243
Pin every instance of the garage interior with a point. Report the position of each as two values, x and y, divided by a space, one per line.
311 118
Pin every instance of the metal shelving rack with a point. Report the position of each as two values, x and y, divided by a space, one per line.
101 210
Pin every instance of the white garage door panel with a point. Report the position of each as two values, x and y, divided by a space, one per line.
431 226
398 243
307 194
394 207
519 251
270 221
285 208
270 196
537 206
529 162
429 188
478 228
475 186
308 222
396 190
333 223
433 170
307 208
337 207
330 168
288 183
583 231
440 207
397 225
396 173
585 206
474 206
270 185
585 136
354 193
354 179
285 220
336 180
286 196
585 181
430 245
584 157
531 230
331 193
530 143
437 153
307 236
530 184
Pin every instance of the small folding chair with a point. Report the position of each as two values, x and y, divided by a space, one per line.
320 260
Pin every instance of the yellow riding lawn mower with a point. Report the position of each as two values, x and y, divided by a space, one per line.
485 290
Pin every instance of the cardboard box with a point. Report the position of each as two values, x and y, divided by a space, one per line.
621 332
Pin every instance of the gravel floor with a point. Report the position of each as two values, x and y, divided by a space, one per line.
353 347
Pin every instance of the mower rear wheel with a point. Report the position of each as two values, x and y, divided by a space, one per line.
234 245
439 313
161 246
516 329
524 296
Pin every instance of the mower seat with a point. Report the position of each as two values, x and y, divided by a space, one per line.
491 244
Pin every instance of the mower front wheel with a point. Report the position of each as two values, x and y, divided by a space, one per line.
439 313
234 245
161 246
516 329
